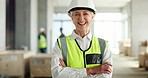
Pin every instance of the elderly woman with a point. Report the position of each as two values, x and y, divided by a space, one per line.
81 54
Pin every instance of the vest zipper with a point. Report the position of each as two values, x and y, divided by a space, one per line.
84 59
84 51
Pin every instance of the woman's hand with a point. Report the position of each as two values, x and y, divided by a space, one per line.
104 68
62 63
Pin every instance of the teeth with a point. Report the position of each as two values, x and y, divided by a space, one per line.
82 23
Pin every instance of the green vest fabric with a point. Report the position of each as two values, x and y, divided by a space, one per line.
42 42
75 57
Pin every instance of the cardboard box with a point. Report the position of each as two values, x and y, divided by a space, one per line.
141 58
124 47
143 49
127 51
146 61
12 63
40 65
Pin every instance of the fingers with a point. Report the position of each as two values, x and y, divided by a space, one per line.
106 68
107 71
62 63
108 64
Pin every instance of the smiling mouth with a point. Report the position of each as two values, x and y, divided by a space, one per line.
82 24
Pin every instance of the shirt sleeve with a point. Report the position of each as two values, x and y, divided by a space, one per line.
107 57
64 72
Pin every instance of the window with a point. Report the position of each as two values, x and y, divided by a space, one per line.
109 26
61 20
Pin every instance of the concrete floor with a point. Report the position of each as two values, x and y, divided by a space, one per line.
127 67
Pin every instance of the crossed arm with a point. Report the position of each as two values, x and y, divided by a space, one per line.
104 68
59 69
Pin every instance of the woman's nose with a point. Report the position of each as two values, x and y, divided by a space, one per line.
81 17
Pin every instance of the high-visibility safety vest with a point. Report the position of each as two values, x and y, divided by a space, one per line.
42 42
75 57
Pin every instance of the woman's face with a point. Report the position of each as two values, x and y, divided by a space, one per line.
82 19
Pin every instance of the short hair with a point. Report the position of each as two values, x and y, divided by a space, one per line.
71 13
81 8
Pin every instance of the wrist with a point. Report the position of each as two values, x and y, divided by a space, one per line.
88 70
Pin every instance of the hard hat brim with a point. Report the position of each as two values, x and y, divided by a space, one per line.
81 8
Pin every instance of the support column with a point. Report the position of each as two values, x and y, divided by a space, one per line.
42 14
22 30
3 25
33 25
50 12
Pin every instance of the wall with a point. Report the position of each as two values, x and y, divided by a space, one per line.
22 35
30 16
126 11
139 23
3 25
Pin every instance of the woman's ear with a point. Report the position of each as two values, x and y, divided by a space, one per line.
93 15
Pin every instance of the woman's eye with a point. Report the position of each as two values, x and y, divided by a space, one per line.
76 14
85 14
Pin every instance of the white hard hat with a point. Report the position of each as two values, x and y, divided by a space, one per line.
82 4
42 29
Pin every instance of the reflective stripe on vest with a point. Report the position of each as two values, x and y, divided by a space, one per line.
63 47
42 42
91 53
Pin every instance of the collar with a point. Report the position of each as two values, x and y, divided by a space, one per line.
75 36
